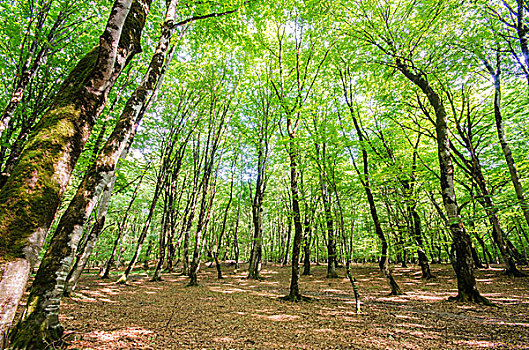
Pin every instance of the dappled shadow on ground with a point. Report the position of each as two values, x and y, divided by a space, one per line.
237 313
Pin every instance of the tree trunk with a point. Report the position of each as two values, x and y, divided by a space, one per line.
466 282
365 180
165 227
28 207
307 238
121 230
498 235
417 235
289 236
145 230
216 122
294 293
486 255
102 172
222 230
147 256
522 30
95 232
203 219
173 219
254 268
331 241
473 167
515 177
236 232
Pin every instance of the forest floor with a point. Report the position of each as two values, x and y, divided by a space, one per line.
236 313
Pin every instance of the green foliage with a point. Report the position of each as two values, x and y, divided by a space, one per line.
272 61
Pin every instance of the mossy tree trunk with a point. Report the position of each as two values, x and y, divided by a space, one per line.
31 195
46 289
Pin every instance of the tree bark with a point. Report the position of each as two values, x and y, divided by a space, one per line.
331 241
417 235
466 282
165 227
222 230
147 257
96 178
168 203
506 149
236 233
216 127
254 268
289 237
365 180
307 238
94 234
202 224
121 230
31 195
159 185
294 293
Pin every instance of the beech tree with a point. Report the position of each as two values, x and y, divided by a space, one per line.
27 208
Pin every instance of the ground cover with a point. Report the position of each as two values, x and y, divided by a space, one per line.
236 313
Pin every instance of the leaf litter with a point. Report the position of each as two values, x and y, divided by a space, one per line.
237 313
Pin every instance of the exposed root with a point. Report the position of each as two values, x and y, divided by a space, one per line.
473 298
295 298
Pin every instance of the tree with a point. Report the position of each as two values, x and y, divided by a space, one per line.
346 80
266 126
292 98
28 207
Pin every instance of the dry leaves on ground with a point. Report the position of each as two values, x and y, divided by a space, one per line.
236 313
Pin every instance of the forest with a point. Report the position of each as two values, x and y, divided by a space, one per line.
232 174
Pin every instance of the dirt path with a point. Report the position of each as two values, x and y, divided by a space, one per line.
235 313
